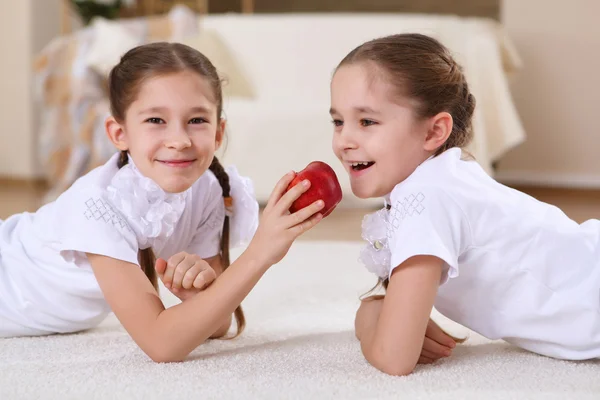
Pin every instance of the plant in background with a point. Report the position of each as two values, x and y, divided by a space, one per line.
109 9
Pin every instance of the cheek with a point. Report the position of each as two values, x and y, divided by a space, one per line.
335 144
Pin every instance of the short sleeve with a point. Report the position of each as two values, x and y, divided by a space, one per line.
426 221
87 222
207 237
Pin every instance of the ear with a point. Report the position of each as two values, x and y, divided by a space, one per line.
116 133
440 128
220 133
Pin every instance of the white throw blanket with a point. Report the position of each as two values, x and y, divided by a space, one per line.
299 344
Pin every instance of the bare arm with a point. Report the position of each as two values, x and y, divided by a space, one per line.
171 334
217 266
168 335
392 340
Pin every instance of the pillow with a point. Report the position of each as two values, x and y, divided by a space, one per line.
110 42
214 48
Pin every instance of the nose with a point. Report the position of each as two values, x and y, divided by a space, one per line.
178 138
345 139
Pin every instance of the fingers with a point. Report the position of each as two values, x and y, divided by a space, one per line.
187 280
171 266
429 354
204 278
160 266
435 348
425 360
199 276
186 271
436 333
302 215
181 269
279 190
285 201
306 225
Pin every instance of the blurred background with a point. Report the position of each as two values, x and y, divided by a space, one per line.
532 66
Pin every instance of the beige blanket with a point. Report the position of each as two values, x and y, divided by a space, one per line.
70 84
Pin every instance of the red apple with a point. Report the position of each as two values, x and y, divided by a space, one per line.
324 185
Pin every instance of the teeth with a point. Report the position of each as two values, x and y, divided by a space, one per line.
356 164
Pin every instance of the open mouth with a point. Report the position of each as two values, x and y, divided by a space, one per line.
361 165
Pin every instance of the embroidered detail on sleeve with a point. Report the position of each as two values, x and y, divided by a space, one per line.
216 218
98 209
407 207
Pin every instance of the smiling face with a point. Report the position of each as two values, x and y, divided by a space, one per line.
379 141
396 101
166 102
171 129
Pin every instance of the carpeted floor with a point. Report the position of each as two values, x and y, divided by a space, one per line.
299 344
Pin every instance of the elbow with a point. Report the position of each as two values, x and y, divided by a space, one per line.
223 329
162 353
390 363
160 357
395 369
164 357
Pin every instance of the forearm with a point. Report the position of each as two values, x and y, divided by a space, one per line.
195 320
392 338
394 355
386 353
365 332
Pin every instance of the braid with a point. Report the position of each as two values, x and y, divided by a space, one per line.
146 257
219 172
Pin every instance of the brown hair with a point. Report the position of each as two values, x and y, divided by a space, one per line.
124 82
422 69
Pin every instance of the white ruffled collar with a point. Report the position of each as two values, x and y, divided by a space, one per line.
376 254
151 213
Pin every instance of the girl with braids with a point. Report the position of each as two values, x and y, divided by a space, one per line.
486 256
162 207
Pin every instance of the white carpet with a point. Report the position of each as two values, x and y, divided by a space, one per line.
299 344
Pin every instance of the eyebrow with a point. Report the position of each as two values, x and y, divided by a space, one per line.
361 110
199 109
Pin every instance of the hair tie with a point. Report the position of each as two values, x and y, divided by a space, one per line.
228 201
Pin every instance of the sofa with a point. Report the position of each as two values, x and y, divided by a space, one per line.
277 70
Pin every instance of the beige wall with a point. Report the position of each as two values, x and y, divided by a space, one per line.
26 26
557 93
16 141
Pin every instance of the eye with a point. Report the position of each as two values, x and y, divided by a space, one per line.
367 122
337 122
155 120
197 121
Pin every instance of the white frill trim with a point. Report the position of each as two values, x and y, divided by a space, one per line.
150 212
376 255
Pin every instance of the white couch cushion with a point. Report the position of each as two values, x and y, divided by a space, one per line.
266 140
290 59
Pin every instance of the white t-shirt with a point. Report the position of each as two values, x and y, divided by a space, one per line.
514 268
46 281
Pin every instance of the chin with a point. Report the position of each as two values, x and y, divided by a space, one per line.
368 193
362 193
175 187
